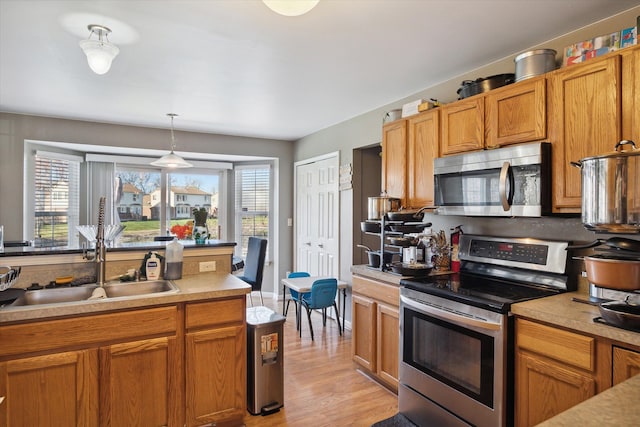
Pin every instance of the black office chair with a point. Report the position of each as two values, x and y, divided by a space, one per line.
254 265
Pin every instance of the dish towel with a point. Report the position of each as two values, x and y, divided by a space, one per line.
398 420
98 293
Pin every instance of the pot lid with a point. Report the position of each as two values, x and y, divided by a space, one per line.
615 153
535 52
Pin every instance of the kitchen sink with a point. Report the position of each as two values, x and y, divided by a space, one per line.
130 289
82 293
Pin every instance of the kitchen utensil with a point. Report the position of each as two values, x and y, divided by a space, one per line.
481 85
374 257
408 227
611 190
621 313
379 206
370 227
8 276
403 242
392 115
612 272
10 295
534 62
415 269
405 215
612 242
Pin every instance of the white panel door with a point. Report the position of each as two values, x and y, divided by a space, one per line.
317 231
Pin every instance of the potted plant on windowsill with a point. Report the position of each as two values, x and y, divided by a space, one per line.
200 231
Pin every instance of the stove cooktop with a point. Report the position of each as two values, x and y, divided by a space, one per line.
488 293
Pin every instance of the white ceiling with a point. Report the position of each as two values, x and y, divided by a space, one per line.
235 67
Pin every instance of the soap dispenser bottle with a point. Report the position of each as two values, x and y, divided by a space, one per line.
153 267
173 260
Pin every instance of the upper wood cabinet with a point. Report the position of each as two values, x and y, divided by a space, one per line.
394 160
516 113
584 120
462 126
422 149
631 94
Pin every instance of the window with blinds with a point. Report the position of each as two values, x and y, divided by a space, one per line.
252 201
56 199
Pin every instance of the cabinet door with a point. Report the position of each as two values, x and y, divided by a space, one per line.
626 364
516 113
55 390
394 159
423 147
216 375
139 383
462 126
364 331
584 121
388 331
544 389
631 95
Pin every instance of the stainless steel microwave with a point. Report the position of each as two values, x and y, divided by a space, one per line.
509 181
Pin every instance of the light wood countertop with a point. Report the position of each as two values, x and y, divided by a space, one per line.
191 288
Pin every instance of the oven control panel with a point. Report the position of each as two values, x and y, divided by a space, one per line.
520 252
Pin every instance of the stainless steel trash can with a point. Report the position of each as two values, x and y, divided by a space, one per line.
265 360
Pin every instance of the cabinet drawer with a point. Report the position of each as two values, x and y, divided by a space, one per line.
567 347
212 313
383 292
86 330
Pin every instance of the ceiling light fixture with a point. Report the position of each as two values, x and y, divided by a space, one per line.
99 52
172 160
291 7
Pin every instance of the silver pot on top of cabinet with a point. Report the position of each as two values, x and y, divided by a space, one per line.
611 190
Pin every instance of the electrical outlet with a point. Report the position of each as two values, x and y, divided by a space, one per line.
207 266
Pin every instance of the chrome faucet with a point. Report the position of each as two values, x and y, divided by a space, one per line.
100 246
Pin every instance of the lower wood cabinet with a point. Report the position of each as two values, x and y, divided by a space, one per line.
376 329
128 368
215 362
557 369
58 389
626 364
139 383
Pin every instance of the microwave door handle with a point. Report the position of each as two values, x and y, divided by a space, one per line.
506 195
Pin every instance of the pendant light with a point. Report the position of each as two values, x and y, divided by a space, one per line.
291 7
100 53
172 160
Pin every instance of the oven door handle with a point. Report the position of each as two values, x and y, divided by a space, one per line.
453 317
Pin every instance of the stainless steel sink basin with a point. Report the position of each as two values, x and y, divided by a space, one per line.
55 296
130 289
82 293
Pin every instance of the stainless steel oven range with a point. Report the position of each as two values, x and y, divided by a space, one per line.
456 331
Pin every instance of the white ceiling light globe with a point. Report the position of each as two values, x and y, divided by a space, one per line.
291 7
100 54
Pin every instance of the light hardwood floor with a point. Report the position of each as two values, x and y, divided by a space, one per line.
322 385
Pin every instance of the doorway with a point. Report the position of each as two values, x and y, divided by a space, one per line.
317 207
367 182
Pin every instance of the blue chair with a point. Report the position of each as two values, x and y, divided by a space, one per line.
295 295
322 296
254 265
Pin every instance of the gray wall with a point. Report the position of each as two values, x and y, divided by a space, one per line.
366 130
16 128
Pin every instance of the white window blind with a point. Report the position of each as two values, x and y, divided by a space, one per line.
56 199
252 199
